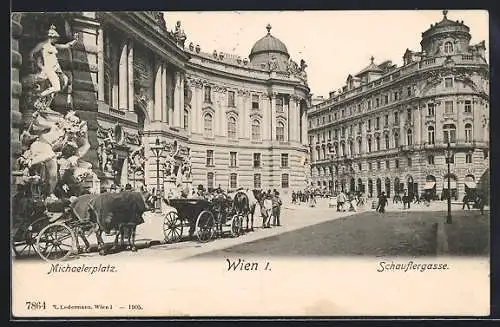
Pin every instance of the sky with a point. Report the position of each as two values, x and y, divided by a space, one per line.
334 44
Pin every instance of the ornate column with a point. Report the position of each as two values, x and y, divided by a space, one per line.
130 75
158 95
100 64
164 104
273 116
16 88
123 78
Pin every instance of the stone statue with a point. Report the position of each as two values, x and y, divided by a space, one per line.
137 159
188 94
44 57
186 167
179 34
170 161
303 65
273 64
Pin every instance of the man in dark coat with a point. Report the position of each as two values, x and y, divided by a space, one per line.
382 202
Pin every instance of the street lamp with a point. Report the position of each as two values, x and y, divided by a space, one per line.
157 149
448 154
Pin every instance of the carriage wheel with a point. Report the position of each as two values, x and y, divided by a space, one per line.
24 237
55 242
205 226
236 225
172 227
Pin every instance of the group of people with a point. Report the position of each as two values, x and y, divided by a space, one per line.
304 196
349 201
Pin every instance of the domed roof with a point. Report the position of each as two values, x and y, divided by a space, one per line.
269 44
444 24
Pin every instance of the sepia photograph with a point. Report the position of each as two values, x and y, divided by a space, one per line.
250 163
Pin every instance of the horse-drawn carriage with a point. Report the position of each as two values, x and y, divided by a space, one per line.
206 219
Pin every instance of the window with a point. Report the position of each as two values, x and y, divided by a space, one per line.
186 120
284 180
210 157
329 134
377 124
386 121
343 131
208 95
409 137
350 130
284 160
387 164
448 107
336 133
430 160
430 109
359 107
395 96
255 101
359 128
430 135
396 117
468 106
359 166
342 113
387 145
279 106
335 116
351 147
342 148
230 99
468 133
370 166
377 139
369 145
408 113
208 120
408 91
386 99
330 118
232 159
448 47
369 124
396 163
256 130
409 162
233 180
378 165
323 138
377 102
449 133
210 181
257 181
359 146
317 121
256 160
231 127
280 132
311 139
396 140
448 82
369 104
468 158
450 159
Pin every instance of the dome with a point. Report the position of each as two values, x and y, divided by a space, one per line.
268 44
444 26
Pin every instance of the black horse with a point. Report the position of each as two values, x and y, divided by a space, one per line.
244 203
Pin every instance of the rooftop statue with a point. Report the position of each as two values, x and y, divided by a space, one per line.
179 34
47 68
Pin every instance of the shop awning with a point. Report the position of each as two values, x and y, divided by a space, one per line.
429 185
453 184
470 184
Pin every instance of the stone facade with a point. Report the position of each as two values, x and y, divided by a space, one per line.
388 128
134 81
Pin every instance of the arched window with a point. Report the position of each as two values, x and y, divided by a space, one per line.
186 120
396 140
387 145
280 131
231 127
351 148
336 149
448 47
324 153
208 121
319 154
342 149
255 130
409 137
359 146
377 140
449 133
430 135
468 133
369 142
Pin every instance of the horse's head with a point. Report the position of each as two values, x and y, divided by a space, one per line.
149 199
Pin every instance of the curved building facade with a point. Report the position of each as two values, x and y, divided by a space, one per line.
388 128
219 119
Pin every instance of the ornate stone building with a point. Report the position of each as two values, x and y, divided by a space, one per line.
223 120
387 129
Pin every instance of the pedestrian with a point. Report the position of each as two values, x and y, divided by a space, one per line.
276 208
480 203
340 201
128 187
465 202
382 202
406 200
268 209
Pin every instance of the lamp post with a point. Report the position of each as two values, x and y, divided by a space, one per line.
448 159
157 149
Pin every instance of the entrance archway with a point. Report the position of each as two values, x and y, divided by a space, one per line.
379 186
453 187
430 187
370 188
388 187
